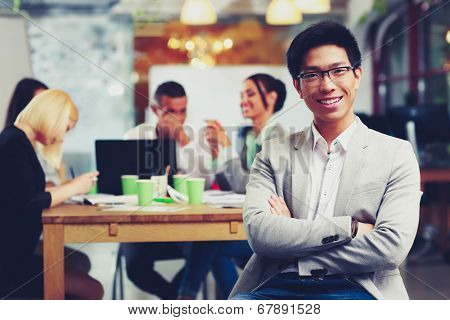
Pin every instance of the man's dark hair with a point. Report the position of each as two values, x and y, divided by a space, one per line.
319 34
270 84
22 95
170 89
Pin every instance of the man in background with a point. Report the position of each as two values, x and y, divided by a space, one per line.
193 159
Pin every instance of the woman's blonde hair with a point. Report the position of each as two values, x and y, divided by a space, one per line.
49 113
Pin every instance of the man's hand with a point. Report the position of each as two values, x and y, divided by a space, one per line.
279 207
363 228
169 127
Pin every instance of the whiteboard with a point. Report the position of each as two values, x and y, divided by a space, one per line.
15 62
214 93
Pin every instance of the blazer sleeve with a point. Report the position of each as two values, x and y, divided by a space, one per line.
277 236
21 178
388 244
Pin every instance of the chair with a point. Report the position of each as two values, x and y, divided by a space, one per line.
118 273
119 277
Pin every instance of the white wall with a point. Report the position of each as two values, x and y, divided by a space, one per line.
14 59
215 93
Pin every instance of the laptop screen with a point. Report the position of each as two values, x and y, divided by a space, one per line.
134 157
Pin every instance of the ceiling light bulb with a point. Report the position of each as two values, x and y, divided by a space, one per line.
198 12
283 12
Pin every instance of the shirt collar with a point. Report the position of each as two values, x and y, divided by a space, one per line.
343 139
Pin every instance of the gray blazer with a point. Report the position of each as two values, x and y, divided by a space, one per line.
380 184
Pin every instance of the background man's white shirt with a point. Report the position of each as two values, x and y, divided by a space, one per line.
193 159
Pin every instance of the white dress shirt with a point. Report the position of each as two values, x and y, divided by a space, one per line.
325 171
193 159
325 174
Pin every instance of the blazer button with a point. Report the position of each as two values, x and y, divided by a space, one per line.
336 238
324 240
324 271
316 272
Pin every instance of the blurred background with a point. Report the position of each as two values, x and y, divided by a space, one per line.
110 55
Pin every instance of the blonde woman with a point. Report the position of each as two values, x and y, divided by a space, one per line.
23 196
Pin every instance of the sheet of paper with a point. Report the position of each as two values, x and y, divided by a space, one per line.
224 199
105 199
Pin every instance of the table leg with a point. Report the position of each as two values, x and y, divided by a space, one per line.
425 212
443 214
53 261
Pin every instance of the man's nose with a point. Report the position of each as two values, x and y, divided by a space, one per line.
326 84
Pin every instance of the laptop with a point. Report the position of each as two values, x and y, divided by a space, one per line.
132 157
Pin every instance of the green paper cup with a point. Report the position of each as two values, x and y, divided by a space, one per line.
180 183
145 189
195 187
129 184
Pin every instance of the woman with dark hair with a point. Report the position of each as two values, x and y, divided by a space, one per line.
25 90
261 97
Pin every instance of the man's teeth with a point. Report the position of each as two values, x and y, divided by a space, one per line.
330 101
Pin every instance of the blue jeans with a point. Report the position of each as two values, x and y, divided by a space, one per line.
217 256
289 286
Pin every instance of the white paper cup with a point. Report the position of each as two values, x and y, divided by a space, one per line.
160 186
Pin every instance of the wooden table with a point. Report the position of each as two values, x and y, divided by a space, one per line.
86 224
441 176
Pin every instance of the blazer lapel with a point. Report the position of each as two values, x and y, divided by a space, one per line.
300 162
354 162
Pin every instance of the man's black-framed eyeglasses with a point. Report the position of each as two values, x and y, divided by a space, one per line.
315 76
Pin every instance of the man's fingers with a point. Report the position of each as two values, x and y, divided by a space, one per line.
275 203
272 203
284 208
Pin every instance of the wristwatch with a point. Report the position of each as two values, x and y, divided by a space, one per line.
354 227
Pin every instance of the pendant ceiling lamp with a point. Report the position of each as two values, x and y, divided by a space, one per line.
198 12
313 6
283 12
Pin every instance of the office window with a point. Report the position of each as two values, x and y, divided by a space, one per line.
414 68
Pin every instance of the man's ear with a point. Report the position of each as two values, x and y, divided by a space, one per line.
358 76
296 84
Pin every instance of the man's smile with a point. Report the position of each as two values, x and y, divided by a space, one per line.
330 102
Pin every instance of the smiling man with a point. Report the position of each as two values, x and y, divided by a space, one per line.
331 211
